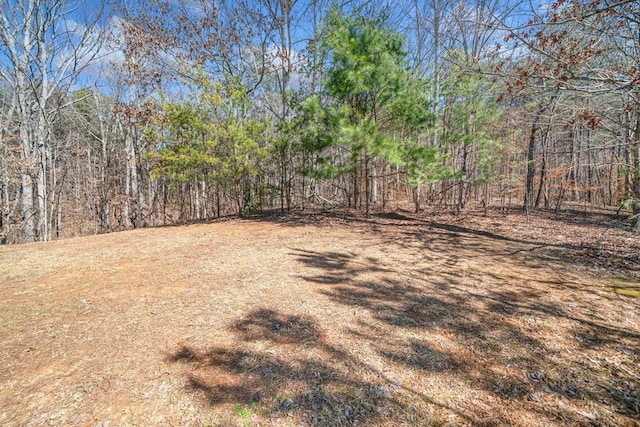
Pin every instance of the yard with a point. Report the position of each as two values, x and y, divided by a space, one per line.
327 320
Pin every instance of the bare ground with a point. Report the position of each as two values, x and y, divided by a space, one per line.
327 320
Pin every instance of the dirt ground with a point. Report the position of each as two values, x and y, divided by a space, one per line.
327 320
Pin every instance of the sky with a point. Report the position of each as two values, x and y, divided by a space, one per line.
95 26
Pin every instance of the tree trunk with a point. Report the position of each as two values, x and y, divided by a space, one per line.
367 185
131 184
636 172
42 190
28 220
374 181
461 202
531 166
543 171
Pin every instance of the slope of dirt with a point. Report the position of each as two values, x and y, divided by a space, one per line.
326 320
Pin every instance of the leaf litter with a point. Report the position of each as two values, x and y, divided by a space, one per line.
327 319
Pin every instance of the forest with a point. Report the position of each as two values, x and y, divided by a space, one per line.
127 114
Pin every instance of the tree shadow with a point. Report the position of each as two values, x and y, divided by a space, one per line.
589 253
504 334
441 301
268 325
599 219
296 218
283 366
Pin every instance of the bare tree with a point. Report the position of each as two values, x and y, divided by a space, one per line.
43 51
9 167
589 52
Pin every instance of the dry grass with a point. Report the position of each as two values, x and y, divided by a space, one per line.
327 321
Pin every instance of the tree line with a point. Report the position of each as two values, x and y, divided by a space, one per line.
116 115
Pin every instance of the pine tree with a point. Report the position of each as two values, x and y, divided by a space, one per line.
372 106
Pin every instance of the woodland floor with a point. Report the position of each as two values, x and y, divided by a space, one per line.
327 320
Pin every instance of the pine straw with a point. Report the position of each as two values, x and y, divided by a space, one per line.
326 319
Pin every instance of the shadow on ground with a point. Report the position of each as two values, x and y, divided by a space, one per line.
533 343
282 368
455 326
583 250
